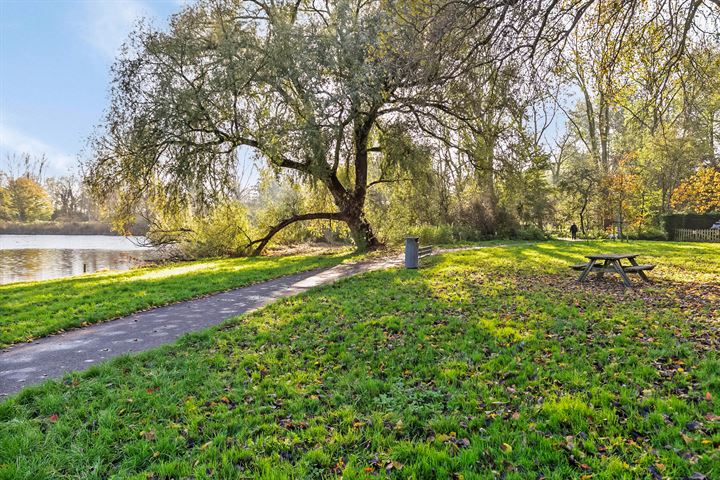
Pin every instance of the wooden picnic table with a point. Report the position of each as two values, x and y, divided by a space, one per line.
611 263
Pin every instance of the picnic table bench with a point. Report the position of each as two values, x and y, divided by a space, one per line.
611 263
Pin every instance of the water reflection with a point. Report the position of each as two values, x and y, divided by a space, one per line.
41 257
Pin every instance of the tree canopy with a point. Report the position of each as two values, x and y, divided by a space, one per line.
350 98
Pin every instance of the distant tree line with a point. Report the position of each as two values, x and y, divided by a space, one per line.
28 195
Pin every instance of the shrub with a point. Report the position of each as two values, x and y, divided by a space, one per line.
446 234
449 234
479 215
530 232
222 232
650 233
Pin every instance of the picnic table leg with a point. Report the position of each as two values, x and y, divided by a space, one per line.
601 274
587 270
623 275
640 272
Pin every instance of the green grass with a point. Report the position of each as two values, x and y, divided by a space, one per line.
35 309
491 363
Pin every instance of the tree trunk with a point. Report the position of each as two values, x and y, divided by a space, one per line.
582 217
604 134
354 205
592 128
714 159
349 202
361 232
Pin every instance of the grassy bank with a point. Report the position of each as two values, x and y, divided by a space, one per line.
34 309
491 363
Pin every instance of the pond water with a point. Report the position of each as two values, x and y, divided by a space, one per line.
26 258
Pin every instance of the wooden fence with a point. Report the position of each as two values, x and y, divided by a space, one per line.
687 235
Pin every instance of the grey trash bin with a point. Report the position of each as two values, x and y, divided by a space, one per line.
412 244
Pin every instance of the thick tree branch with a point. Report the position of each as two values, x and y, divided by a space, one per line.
262 242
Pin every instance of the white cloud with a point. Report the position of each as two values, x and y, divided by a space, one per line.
13 141
107 23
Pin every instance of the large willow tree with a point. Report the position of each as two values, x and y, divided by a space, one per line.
311 87
308 86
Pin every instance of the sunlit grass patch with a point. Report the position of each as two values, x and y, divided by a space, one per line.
172 271
567 413
466 368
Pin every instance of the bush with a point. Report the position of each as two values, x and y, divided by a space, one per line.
446 234
450 234
222 232
530 232
651 233
478 215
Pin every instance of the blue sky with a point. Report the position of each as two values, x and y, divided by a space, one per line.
55 57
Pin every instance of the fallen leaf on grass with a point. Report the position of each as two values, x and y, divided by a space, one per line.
693 426
340 465
506 448
452 439
292 425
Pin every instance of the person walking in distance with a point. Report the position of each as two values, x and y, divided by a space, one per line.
573 231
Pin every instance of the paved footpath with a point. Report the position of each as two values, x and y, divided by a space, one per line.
51 357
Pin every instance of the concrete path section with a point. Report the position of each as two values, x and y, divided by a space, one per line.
51 357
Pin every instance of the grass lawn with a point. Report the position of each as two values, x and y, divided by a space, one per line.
476 366
35 309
